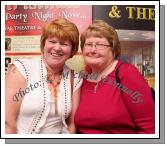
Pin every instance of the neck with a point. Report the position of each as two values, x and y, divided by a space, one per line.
103 71
53 70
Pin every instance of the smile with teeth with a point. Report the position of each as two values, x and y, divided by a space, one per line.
56 54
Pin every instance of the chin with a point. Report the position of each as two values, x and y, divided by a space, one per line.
55 62
92 63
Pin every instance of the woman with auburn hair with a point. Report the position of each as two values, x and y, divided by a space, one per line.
108 106
39 97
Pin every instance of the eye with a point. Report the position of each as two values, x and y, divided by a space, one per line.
64 44
53 41
99 45
88 44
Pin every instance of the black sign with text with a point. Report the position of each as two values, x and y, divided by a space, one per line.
131 17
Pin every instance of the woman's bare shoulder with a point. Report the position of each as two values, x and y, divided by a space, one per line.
13 74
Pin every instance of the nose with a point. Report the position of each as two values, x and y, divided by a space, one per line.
93 48
57 46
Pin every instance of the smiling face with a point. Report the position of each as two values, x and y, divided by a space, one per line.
59 41
56 52
97 57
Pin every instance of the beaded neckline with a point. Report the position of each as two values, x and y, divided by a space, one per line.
38 116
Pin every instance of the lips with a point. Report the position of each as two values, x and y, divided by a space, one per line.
56 54
93 55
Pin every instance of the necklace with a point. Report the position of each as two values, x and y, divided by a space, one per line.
54 78
104 74
53 84
95 87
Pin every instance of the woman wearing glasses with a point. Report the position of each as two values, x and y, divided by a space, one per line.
106 106
39 92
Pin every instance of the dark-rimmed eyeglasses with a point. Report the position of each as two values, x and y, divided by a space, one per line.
97 46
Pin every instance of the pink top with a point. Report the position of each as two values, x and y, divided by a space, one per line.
108 111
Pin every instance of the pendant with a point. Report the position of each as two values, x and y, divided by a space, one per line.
95 87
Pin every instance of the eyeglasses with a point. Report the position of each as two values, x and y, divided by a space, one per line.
97 46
